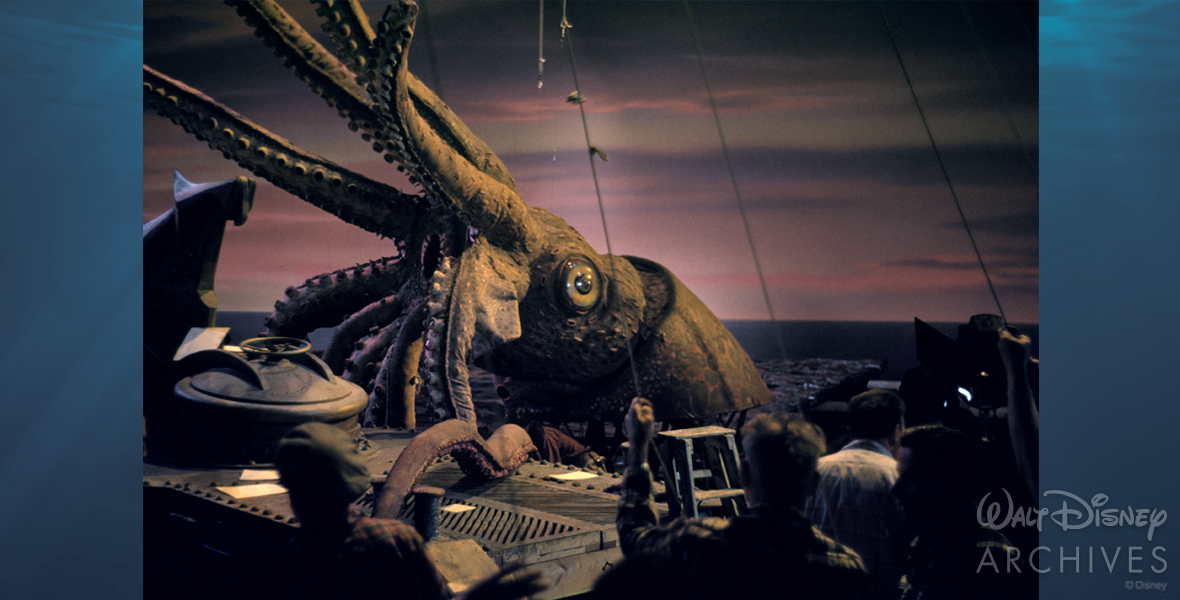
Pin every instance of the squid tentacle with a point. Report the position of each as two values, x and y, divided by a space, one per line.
434 358
397 373
355 326
454 132
356 199
361 367
327 76
325 300
429 106
349 29
488 205
392 402
502 452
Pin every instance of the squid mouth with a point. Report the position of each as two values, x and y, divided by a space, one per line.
472 308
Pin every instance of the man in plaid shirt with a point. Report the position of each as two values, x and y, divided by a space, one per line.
767 554
854 502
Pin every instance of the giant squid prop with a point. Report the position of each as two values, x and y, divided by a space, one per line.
478 276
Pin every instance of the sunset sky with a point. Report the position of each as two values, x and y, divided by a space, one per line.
851 214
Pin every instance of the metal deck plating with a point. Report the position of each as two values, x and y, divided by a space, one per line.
564 527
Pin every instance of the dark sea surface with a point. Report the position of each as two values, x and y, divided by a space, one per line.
845 340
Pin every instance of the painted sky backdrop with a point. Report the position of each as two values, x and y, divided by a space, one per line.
851 215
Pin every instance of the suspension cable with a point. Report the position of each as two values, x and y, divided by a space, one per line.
995 77
736 190
941 164
577 98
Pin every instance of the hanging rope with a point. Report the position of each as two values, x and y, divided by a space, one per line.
565 23
541 46
736 190
941 165
577 98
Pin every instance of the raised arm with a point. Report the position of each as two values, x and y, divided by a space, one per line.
1023 418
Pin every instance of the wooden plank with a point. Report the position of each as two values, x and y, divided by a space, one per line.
576 574
460 562
703 495
695 432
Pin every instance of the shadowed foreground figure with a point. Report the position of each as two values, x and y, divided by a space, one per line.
952 556
773 553
1023 416
338 555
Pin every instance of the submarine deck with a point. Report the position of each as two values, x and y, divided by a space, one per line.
557 518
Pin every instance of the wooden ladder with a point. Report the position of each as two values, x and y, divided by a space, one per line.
719 462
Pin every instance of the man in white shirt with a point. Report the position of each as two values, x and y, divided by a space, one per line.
853 503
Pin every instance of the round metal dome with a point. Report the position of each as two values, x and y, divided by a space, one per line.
236 408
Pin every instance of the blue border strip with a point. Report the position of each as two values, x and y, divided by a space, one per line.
71 375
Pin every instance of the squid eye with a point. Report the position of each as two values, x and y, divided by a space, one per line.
581 287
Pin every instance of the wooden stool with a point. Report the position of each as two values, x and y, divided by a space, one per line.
719 459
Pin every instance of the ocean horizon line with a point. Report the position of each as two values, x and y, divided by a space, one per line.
892 342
